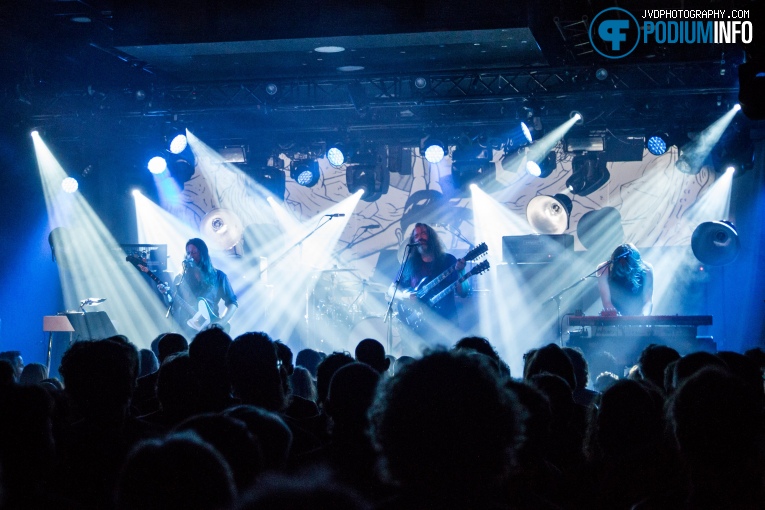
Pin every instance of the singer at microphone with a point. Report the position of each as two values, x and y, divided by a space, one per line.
625 283
194 299
427 259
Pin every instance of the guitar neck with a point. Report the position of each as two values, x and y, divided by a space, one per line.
438 297
471 255
431 284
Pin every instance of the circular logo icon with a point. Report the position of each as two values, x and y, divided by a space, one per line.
614 32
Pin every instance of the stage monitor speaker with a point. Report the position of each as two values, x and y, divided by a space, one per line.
536 248
66 328
91 325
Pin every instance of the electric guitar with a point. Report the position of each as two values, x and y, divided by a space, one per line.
201 315
411 312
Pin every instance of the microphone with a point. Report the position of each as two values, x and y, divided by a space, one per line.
413 245
622 255
92 301
370 227
336 215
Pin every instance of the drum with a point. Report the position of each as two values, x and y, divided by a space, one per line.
373 327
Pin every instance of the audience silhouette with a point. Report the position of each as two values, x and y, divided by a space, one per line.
235 424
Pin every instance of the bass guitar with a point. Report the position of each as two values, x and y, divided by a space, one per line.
410 312
201 315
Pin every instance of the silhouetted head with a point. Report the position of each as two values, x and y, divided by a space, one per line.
654 360
33 373
170 343
99 376
715 419
148 362
16 361
445 425
176 387
691 363
207 353
302 384
581 369
181 471
630 418
232 439
254 370
401 362
483 346
326 370
553 360
351 392
273 434
309 359
285 356
372 353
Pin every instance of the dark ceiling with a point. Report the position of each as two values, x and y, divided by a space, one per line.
250 70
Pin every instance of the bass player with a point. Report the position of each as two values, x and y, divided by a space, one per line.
428 261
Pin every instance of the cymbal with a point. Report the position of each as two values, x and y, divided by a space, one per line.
373 285
333 270
222 227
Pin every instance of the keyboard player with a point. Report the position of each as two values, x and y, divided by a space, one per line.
625 283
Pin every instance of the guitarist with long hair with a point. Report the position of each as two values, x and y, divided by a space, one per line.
197 292
427 261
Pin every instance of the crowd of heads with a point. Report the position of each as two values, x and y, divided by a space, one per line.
245 423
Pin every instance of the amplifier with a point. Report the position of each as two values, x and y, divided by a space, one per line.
536 248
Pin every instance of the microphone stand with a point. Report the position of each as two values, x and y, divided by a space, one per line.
299 243
177 288
557 299
389 312
288 250
456 233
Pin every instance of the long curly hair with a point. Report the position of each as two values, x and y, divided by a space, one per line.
435 245
626 267
206 267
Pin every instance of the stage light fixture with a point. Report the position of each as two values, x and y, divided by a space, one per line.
69 185
519 136
182 169
305 173
544 168
715 243
549 214
578 116
369 175
336 155
588 173
420 82
157 165
272 89
433 150
469 164
657 144
178 143
684 166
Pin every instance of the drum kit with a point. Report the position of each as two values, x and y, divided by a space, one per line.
344 307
